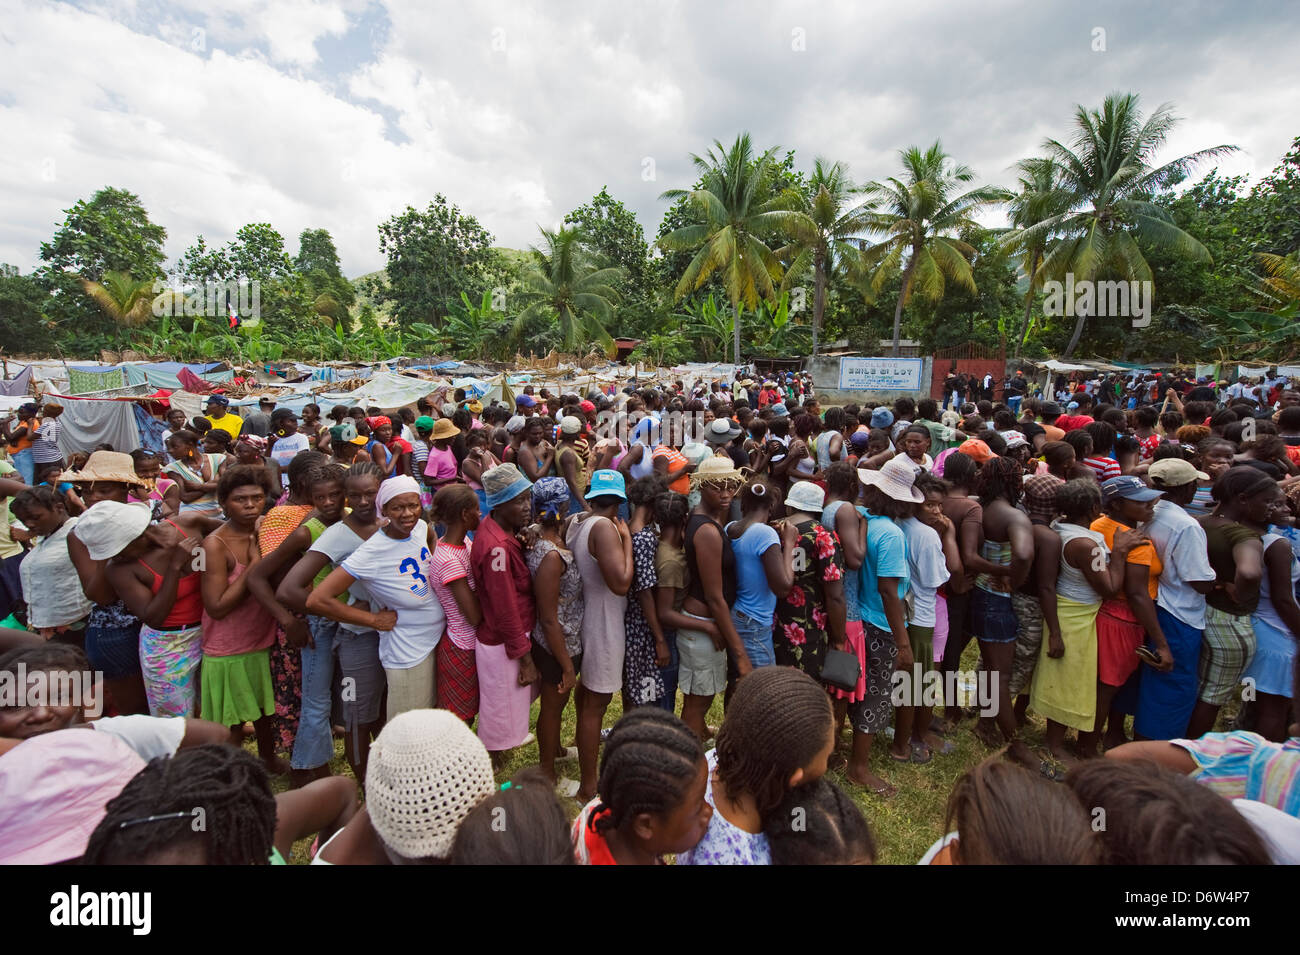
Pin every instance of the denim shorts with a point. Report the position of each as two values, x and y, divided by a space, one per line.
992 618
756 637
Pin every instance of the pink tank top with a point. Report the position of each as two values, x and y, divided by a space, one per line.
248 627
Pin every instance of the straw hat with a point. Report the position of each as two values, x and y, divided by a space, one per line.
108 466
443 428
717 470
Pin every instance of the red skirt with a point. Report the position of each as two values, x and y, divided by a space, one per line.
1118 635
457 679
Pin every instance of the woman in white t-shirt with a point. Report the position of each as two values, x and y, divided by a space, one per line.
286 441
396 566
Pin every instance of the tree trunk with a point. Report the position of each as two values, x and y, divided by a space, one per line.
1029 306
819 299
735 330
1074 339
898 309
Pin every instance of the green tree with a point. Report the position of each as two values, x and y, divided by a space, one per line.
433 255
568 287
921 217
23 328
1041 195
127 301
734 211
613 232
318 264
837 217
110 232
1108 171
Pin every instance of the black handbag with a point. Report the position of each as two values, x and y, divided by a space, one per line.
841 670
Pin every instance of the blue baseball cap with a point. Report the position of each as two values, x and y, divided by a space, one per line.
528 400
1127 487
605 483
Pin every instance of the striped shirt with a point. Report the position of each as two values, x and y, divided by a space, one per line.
1244 765
676 460
45 446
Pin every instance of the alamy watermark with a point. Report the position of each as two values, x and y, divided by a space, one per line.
22 689
1093 299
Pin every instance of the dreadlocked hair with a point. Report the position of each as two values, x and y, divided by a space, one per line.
817 824
778 720
228 784
671 509
648 764
300 468
1001 479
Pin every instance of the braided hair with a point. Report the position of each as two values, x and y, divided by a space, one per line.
778 721
648 764
222 804
671 509
300 468
817 824
363 469
643 491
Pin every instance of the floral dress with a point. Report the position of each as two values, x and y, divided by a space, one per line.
571 603
799 638
643 682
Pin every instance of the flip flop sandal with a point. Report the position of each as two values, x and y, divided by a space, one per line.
1048 771
567 788
920 753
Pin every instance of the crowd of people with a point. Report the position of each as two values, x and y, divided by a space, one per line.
1125 557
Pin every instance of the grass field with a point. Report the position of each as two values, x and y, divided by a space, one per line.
904 825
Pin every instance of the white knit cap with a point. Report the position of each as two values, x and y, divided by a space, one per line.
426 771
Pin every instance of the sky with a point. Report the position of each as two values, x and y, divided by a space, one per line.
337 114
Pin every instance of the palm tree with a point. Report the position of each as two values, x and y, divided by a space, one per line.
1040 197
127 301
567 284
921 218
709 325
1107 171
836 217
737 208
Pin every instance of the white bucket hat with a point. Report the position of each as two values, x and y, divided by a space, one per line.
895 479
109 526
806 496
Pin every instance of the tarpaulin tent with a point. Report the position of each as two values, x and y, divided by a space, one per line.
384 390
163 374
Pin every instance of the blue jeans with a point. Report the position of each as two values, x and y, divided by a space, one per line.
669 700
22 460
756 637
314 744
1013 403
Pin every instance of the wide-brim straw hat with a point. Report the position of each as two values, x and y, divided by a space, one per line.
109 466
717 470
